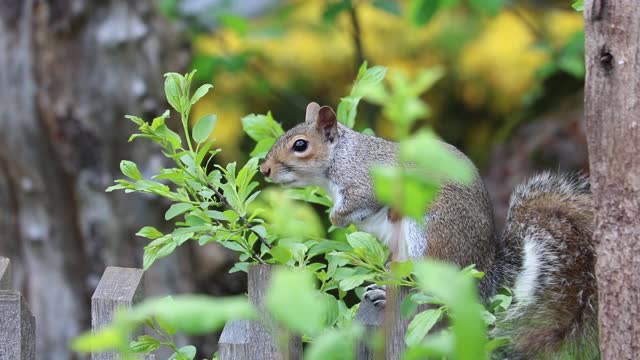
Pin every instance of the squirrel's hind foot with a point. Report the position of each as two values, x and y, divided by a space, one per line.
377 294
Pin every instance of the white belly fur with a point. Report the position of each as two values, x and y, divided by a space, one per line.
413 240
412 235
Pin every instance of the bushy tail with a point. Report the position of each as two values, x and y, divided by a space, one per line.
547 257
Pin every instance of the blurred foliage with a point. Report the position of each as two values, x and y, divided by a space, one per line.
504 61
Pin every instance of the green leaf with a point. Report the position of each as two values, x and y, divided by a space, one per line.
578 5
421 324
236 23
130 169
347 110
239 266
281 254
497 343
354 281
421 11
333 9
471 271
435 158
441 345
138 121
291 305
390 6
172 84
107 338
176 209
149 257
401 269
144 344
194 314
184 353
460 294
488 7
149 232
202 91
203 128
373 251
367 81
217 215
262 147
260 127
202 152
337 343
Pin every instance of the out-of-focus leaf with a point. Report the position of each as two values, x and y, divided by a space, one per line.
489 7
421 324
333 9
578 5
194 314
337 343
293 300
421 11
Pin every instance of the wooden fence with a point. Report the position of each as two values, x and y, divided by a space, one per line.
240 340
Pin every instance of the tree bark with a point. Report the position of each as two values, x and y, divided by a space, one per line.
612 97
69 71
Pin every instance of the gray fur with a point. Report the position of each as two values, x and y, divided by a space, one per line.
549 228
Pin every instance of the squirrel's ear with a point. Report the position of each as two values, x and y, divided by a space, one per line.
327 123
312 112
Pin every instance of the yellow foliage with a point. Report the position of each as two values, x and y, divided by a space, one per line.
503 60
561 25
494 69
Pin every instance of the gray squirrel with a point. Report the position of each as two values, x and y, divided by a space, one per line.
546 254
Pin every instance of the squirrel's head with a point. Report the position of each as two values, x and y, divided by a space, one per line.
302 155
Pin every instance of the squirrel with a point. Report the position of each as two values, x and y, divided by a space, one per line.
545 254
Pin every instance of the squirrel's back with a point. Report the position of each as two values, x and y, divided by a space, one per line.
546 255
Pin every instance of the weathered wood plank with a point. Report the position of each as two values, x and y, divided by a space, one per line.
234 341
372 318
118 288
395 324
261 343
17 328
387 319
5 274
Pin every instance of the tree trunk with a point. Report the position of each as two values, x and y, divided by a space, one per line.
612 97
69 71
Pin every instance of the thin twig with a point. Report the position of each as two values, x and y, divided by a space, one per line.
226 203
357 36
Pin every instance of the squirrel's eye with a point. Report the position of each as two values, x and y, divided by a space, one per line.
300 145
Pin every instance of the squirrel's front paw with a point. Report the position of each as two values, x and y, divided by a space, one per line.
377 294
339 219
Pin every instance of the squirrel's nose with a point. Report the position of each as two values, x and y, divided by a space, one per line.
265 170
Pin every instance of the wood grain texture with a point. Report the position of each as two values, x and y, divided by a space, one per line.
261 343
5 274
372 318
395 325
612 106
118 288
17 328
234 341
